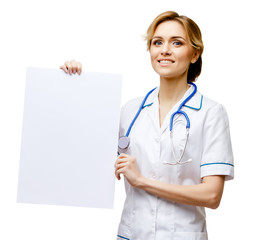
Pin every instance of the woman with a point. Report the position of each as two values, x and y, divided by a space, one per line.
171 179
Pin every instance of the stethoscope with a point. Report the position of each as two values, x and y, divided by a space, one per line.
124 141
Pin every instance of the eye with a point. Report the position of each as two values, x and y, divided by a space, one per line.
157 42
177 43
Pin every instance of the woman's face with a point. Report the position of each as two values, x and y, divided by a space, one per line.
170 51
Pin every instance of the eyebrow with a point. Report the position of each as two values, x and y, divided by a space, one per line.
173 37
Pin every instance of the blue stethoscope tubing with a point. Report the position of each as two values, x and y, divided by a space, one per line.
124 141
179 111
138 113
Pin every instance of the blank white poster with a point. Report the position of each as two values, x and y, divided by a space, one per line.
69 138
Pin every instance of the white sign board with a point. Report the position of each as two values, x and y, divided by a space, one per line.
70 138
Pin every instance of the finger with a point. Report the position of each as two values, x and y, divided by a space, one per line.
69 67
117 175
118 172
121 171
119 166
79 67
74 66
63 67
118 161
123 155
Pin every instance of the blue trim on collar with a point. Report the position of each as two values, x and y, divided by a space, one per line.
199 106
147 105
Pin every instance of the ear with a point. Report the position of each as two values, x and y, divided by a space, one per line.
196 55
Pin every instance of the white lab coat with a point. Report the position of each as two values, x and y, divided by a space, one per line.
148 217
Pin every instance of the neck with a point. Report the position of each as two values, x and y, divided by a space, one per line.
172 90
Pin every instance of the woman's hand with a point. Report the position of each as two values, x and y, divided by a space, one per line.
72 67
127 165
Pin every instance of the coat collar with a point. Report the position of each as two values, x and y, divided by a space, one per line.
152 103
194 103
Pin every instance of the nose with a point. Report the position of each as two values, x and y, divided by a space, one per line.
166 49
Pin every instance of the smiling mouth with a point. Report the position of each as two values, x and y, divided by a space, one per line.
165 61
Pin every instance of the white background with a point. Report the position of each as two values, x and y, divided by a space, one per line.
106 36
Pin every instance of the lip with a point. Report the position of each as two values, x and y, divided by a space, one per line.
165 59
165 64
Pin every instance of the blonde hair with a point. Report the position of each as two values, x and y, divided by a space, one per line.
193 33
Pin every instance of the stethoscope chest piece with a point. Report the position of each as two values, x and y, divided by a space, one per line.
124 142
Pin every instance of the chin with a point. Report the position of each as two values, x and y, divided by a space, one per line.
167 75
172 75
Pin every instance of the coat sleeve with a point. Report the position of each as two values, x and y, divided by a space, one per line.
217 158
